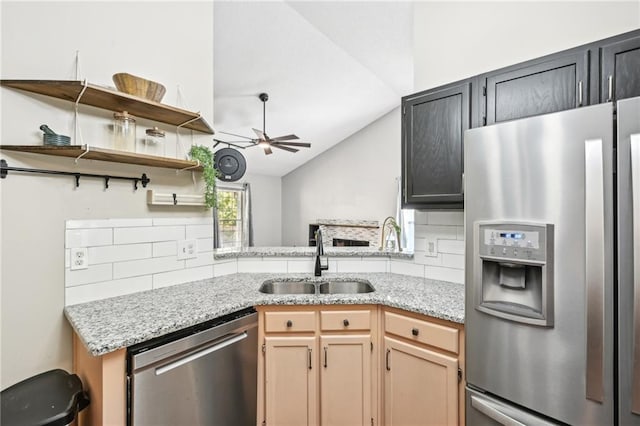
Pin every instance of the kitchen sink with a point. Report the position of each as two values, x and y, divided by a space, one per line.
287 287
321 287
345 287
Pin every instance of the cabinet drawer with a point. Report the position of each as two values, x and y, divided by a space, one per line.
345 320
422 331
289 321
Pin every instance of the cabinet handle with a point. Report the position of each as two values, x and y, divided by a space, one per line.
325 357
346 322
415 331
610 79
387 360
580 93
310 366
289 323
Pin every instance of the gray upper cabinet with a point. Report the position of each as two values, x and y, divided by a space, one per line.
554 83
433 123
620 76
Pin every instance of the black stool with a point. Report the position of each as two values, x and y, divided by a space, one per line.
52 398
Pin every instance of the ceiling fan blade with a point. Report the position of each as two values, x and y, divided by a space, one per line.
267 150
286 148
233 134
302 144
261 135
285 138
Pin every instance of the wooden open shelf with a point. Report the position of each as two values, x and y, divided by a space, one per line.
102 154
113 100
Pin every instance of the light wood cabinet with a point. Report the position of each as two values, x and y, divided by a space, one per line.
421 386
422 370
337 385
345 378
291 380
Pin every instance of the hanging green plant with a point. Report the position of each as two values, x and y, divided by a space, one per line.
209 173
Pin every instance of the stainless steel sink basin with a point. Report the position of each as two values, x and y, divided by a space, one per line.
287 287
345 287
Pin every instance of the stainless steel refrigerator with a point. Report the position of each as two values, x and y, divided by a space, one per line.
552 235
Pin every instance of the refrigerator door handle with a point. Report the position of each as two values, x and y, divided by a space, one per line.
635 195
595 268
491 411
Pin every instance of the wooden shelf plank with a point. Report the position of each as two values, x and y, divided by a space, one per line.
112 100
102 154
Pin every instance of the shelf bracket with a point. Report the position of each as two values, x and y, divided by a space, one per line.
86 151
76 115
195 166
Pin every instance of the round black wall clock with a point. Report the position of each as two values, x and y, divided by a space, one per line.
230 164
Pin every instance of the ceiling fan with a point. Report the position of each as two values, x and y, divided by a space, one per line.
263 140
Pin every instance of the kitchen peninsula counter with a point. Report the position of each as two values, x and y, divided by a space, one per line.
107 325
309 252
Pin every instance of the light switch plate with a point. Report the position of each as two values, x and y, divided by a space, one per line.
79 258
187 249
432 247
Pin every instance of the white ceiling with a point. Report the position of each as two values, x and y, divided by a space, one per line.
330 69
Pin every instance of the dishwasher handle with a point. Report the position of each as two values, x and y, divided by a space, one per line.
200 354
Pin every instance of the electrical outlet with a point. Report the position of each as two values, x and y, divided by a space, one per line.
79 258
432 247
187 249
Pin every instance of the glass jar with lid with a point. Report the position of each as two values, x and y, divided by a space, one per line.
153 143
124 132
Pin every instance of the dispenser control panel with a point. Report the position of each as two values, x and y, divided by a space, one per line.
515 241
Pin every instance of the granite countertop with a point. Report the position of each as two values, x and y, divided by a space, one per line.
111 324
310 252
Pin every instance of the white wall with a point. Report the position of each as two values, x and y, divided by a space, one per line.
353 180
456 40
170 42
266 196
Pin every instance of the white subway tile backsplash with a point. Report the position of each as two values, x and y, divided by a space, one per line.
199 231
362 265
205 245
170 221
445 218
110 254
438 231
422 258
453 260
181 276
451 246
202 260
67 258
406 268
445 274
165 248
107 223
103 290
148 234
88 237
301 266
251 265
146 266
420 217
225 268
93 274
460 232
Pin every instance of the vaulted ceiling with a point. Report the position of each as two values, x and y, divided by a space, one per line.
330 69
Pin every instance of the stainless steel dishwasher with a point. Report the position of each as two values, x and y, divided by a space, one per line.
203 375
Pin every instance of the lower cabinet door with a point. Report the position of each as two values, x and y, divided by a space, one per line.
345 380
291 381
420 386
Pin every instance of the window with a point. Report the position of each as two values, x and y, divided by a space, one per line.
230 217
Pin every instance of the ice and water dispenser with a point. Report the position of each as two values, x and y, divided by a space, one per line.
513 271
